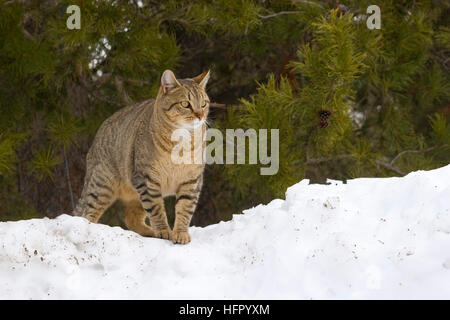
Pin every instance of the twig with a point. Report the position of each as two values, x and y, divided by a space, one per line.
324 159
69 185
101 97
389 167
137 81
415 151
102 80
9 2
349 156
218 105
277 14
120 88
96 94
308 2
442 59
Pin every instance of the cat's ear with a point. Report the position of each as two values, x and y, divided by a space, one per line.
168 81
202 79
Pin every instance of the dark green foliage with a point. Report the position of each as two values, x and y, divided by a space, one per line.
8 144
272 107
348 101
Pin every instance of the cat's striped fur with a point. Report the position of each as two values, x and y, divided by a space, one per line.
130 159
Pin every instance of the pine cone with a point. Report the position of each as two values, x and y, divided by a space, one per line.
324 116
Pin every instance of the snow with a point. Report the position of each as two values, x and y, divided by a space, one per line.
371 238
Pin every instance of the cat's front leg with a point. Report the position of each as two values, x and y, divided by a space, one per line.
187 197
149 192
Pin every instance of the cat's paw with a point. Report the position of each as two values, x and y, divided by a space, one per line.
163 234
181 237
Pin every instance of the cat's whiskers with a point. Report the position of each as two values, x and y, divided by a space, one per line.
190 125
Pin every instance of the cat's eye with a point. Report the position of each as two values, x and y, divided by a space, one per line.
206 103
185 104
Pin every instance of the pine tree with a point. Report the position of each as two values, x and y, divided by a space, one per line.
357 97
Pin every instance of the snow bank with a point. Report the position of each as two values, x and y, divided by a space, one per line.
369 238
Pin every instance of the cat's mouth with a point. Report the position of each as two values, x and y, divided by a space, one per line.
191 124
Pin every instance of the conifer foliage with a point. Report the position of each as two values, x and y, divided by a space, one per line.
348 101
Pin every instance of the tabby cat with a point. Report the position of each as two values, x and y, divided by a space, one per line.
130 159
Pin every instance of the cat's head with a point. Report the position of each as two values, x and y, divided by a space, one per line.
184 101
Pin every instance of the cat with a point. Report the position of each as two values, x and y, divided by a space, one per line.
130 159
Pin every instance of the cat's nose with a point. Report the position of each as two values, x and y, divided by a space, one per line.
200 115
